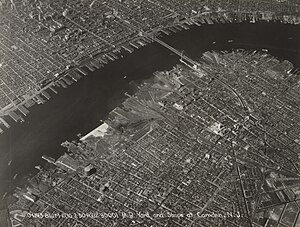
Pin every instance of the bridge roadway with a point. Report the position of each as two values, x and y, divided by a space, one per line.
180 54
194 63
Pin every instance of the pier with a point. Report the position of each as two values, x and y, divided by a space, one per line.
45 94
4 122
67 80
109 57
134 45
89 66
15 116
29 103
40 100
23 110
81 71
61 83
52 89
95 64
127 48
74 75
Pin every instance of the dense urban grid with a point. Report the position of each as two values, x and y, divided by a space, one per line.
214 143
45 43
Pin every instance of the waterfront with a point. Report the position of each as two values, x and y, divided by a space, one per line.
79 108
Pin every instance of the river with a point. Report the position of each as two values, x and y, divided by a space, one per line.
79 108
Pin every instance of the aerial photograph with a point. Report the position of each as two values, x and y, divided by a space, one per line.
150 113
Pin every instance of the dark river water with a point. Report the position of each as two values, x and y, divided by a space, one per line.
79 108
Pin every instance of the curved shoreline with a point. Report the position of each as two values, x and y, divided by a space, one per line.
55 140
74 73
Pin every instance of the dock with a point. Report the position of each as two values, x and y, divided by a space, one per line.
48 159
46 94
102 60
4 122
40 99
81 71
109 57
29 103
172 30
202 21
15 116
73 78
95 64
61 83
67 80
89 66
74 75
146 40
177 27
23 110
134 45
114 56
129 49
52 89
196 22
185 27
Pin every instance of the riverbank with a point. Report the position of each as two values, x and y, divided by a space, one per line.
80 108
19 108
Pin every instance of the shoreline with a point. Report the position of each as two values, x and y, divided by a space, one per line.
20 109
95 132
148 117
98 119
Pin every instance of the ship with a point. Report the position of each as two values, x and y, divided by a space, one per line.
9 162
230 41
15 176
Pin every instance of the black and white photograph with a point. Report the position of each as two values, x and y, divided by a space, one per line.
149 113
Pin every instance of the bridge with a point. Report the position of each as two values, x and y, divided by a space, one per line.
179 53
